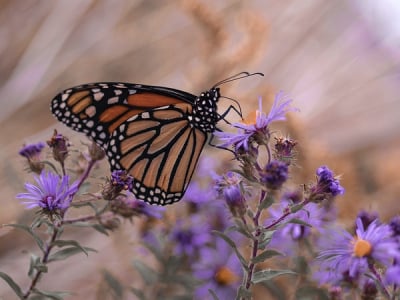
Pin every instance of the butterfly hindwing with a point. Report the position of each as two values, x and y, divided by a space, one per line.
159 148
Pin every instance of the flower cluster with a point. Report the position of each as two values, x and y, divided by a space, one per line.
231 231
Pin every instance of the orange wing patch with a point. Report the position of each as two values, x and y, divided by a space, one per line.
149 100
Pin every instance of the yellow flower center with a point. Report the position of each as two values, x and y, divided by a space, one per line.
224 276
362 248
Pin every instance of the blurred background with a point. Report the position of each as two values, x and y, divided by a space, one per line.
338 60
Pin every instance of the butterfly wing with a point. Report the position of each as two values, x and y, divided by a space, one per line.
145 130
97 109
160 149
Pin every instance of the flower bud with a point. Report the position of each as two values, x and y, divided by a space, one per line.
119 181
274 174
32 153
96 152
59 144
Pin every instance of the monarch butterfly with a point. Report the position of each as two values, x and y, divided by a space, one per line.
154 133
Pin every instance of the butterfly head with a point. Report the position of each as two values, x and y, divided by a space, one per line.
204 114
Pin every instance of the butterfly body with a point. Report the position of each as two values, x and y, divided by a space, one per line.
154 133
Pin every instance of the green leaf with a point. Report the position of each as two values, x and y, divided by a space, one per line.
114 284
171 267
37 222
185 280
267 202
243 293
83 188
97 227
298 221
311 292
34 260
72 243
301 265
149 275
83 204
266 255
27 229
17 290
138 293
266 275
54 295
265 238
296 207
233 246
67 252
213 294
250 213
157 252
100 228
242 229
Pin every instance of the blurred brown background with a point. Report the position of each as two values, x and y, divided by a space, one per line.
338 60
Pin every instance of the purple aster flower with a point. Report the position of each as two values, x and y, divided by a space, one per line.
392 275
395 225
257 130
287 238
341 253
274 174
327 185
120 180
198 196
219 270
32 153
368 217
128 206
51 193
190 236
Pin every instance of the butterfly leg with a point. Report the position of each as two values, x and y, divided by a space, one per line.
226 112
210 142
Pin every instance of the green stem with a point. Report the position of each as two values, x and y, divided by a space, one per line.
49 247
379 280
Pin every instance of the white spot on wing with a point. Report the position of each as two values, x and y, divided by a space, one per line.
98 96
112 100
90 111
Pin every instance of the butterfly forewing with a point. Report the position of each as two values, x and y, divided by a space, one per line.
97 109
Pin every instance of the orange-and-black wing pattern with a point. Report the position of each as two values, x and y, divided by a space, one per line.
97 109
154 133
160 149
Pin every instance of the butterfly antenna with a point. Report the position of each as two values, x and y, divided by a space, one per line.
236 77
